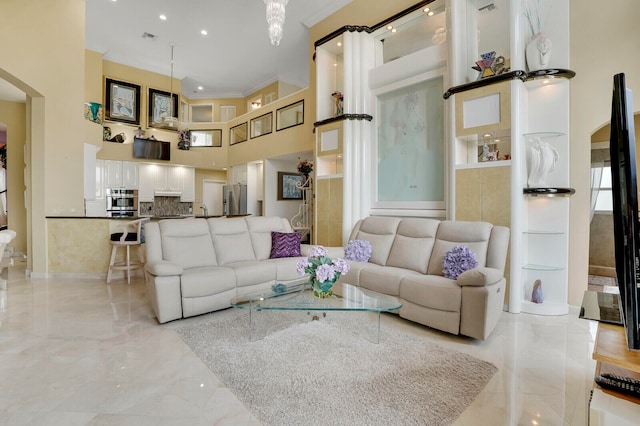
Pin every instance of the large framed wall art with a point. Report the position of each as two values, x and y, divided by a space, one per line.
122 102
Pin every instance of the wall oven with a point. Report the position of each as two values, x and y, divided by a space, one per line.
122 202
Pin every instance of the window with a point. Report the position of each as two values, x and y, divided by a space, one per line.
602 191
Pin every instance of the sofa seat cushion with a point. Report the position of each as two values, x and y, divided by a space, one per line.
432 291
200 282
187 243
383 279
353 276
254 272
286 268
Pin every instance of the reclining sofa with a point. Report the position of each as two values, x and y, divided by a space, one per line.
195 266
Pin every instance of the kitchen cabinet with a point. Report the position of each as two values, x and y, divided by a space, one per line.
169 179
188 185
130 175
112 174
147 182
120 174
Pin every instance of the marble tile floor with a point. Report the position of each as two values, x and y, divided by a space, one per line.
79 352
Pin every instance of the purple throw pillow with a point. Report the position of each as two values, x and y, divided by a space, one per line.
285 244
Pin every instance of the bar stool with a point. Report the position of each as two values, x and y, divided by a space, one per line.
130 236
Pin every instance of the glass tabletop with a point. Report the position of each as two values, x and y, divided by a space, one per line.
299 296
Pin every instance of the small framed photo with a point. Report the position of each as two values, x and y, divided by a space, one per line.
289 186
238 133
162 105
122 102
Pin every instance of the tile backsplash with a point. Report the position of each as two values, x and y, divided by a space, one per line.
165 206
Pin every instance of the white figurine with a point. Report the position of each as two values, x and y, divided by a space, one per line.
541 160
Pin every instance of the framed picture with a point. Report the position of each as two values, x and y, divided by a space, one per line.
122 102
261 126
162 105
289 186
290 115
206 138
238 133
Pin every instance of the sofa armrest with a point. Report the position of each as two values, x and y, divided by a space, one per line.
162 268
479 277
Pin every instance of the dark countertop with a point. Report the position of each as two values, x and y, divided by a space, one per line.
130 218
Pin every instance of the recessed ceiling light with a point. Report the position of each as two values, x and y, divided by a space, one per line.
335 65
389 27
339 44
395 30
426 9
204 32
200 87
163 17
431 13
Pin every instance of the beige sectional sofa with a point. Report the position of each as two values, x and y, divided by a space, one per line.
406 262
195 266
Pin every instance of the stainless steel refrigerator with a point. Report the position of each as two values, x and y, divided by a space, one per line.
234 199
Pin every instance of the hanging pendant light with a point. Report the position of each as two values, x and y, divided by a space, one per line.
171 120
275 18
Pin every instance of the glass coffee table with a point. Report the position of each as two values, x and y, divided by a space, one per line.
298 297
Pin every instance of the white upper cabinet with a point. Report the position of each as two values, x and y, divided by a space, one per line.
130 175
188 185
147 177
120 174
112 174
169 179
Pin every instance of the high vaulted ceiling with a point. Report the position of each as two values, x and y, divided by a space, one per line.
234 59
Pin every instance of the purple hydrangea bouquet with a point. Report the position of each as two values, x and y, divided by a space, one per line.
457 260
323 271
358 250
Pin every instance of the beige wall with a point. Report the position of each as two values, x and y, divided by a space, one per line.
287 141
13 115
48 64
612 29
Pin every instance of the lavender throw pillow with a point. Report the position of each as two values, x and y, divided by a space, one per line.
284 244
458 260
358 250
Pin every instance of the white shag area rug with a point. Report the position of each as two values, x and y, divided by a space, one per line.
323 373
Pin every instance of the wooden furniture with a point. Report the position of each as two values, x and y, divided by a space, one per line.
130 236
612 356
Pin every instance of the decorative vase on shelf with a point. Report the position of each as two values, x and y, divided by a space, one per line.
537 296
538 52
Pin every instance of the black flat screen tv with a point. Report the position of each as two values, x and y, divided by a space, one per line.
626 224
151 149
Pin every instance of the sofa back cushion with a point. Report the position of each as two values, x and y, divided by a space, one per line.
260 228
187 242
474 235
231 240
413 243
380 232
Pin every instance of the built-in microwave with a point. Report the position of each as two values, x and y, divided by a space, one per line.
122 202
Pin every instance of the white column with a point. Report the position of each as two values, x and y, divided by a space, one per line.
359 54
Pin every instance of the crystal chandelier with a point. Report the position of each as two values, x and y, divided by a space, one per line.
275 18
